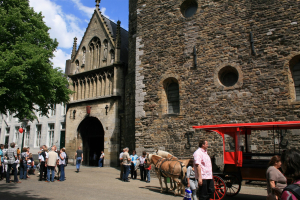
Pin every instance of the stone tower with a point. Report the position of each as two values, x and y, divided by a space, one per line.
198 62
97 72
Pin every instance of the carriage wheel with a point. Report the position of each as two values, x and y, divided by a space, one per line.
233 184
220 188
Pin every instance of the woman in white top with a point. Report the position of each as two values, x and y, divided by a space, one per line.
62 162
142 168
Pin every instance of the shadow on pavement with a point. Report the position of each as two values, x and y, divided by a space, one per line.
245 197
157 190
7 192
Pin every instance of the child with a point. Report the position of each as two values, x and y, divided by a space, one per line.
148 174
192 181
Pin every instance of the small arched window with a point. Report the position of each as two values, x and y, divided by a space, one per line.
173 98
296 77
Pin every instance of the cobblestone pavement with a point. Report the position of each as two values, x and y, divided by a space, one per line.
99 183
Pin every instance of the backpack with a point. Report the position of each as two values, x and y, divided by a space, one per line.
44 155
23 158
294 189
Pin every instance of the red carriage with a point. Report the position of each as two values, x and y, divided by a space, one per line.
239 163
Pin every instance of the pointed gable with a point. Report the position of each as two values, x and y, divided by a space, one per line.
104 31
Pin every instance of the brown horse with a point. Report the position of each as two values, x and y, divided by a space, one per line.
169 156
173 169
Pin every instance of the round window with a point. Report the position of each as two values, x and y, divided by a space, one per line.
188 8
228 76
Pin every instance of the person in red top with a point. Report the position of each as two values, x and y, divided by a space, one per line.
148 173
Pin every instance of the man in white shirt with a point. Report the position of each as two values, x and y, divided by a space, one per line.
126 164
122 169
51 162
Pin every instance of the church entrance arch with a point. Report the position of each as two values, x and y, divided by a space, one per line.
92 134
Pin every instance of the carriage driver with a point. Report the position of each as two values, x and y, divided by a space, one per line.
203 171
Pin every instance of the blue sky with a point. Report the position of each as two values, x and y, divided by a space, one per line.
69 18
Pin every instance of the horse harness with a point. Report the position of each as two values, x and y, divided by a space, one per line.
166 173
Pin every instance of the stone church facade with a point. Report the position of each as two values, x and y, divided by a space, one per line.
184 63
96 75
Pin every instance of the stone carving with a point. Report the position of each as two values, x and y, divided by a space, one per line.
83 55
105 50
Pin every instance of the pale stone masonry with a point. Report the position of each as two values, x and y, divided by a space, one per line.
96 73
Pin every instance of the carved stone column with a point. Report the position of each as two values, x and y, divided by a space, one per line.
79 89
95 86
92 84
118 80
82 89
71 86
107 84
92 58
75 90
104 84
86 95
111 83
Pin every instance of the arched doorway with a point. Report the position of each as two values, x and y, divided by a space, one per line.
92 135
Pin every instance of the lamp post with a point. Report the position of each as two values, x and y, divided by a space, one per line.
23 125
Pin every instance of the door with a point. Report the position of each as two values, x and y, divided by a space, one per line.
62 139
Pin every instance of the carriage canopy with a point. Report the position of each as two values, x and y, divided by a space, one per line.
238 130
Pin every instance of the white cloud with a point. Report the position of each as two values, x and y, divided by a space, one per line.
59 61
103 9
63 27
87 10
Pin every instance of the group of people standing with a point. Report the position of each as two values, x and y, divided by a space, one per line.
130 163
23 161
11 158
53 162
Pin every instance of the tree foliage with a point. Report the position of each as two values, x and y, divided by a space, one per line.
28 81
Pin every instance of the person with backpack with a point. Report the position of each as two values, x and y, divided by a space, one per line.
291 168
23 164
42 159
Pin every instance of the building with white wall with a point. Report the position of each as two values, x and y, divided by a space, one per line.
45 130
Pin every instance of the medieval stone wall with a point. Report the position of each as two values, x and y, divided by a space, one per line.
220 31
128 135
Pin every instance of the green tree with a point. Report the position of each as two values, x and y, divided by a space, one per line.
28 81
